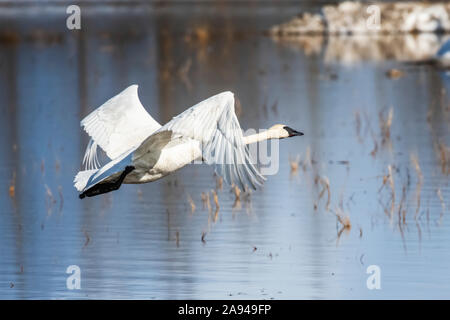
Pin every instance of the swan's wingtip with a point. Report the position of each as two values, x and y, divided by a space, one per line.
227 94
134 86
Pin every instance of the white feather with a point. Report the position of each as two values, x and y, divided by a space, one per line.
82 178
214 124
117 126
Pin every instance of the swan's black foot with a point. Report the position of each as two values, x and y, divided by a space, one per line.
107 186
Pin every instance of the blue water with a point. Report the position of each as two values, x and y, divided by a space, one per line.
144 241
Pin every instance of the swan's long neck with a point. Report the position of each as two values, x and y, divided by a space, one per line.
262 136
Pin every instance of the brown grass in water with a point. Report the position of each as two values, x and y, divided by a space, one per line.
401 211
202 34
389 179
307 162
441 199
61 199
206 201
374 151
219 182
49 200
191 203
216 198
203 237
57 166
358 126
216 202
415 163
238 107
12 187
294 163
392 185
444 157
237 197
394 74
236 191
326 187
275 107
12 191
183 73
402 217
87 237
385 126
344 220
216 215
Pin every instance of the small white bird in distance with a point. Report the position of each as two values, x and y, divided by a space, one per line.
141 150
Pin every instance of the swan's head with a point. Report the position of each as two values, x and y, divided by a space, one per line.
282 131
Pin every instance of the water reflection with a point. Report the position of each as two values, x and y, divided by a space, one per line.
285 241
348 50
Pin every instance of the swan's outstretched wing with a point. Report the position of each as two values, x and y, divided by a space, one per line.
213 122
116 126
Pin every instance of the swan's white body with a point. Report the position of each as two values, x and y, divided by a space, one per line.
175 155
131 137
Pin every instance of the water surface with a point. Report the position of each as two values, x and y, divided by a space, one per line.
285 241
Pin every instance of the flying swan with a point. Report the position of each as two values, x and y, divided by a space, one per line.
141 150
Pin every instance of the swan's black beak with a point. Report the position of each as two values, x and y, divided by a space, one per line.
292 132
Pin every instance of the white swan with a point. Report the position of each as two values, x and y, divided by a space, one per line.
143 151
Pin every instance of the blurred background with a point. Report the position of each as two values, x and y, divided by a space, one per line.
368 184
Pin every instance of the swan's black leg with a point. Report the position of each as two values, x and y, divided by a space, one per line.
107 186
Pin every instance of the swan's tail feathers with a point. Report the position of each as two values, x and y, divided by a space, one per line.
105 179
82 178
